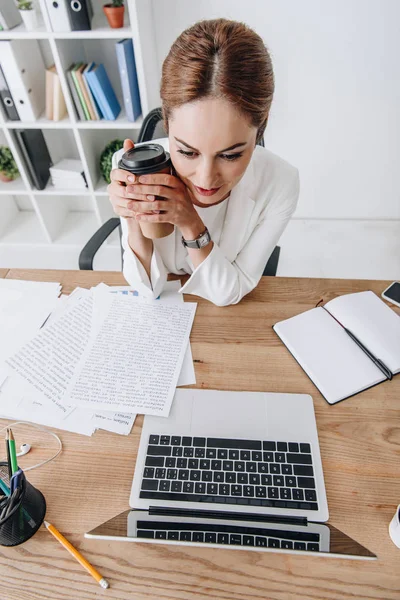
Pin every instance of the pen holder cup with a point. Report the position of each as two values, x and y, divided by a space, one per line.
24 512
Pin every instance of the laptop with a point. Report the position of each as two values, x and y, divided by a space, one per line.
232 469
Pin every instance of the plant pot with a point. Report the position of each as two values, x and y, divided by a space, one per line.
115 16
29 18
5 178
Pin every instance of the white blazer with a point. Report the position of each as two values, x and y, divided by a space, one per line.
259 208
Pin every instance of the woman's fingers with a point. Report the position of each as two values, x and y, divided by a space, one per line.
120 176
128 144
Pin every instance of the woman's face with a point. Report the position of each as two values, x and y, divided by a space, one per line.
211 145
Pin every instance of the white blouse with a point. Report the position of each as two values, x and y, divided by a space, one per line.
175 256
245 229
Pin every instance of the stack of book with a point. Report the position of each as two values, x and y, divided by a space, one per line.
55 103
92 92
68 174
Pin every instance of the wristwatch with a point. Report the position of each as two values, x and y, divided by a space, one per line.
202 240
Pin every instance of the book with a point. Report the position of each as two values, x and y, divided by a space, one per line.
79 91
129 81
96 109
82 87
103 92
51 72
9 14
59 106
6 99
24 70
346 346
35 154
68 173
77 103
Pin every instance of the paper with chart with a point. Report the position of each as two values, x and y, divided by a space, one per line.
133 362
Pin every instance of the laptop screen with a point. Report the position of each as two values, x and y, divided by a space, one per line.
139 525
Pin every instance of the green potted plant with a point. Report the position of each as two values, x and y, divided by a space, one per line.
106 158
114 12
28 14
8 167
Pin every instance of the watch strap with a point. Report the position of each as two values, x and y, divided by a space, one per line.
202 240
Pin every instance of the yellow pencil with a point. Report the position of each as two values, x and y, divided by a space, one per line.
68 546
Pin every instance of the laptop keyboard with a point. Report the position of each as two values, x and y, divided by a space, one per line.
233 535
229 471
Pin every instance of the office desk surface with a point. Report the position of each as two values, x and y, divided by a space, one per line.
234 348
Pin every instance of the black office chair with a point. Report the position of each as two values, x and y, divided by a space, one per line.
146 134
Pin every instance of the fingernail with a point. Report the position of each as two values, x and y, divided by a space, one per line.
132 178
142 179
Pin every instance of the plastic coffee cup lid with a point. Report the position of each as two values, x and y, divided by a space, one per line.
148 158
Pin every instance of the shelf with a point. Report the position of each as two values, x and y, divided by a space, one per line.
40 123
100 29
101 188
120 121
50 190
77 228
20 32
13 187
23 229
54 224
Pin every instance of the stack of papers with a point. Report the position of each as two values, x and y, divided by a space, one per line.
68 174
102 356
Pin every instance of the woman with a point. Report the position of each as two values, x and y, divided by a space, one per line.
229 196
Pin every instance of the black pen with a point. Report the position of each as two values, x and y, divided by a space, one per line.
381 366
8 455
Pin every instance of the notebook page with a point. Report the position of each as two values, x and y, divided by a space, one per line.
375 324
335 364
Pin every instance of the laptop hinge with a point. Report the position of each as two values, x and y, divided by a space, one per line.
235 516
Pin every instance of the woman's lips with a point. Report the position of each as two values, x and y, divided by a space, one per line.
204 192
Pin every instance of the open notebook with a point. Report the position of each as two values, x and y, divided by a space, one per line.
326 342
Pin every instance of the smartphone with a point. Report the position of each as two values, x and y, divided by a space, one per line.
392 293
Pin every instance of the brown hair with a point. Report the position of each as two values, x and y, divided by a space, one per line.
219 58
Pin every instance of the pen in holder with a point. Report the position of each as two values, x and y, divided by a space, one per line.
22 508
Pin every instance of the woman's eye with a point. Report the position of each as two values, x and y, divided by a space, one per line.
187 154
231 156
228 157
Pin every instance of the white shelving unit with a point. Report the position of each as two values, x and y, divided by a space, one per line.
43 227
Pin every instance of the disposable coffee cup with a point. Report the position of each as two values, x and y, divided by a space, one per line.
141 160
394 528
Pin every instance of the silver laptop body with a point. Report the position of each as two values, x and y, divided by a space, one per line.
218 418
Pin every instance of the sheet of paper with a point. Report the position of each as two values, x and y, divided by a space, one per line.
18 403
24 307
113 421
134 361
48 361
170 294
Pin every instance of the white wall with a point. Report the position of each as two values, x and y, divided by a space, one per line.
336 111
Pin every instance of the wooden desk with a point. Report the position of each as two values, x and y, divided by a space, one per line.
234 348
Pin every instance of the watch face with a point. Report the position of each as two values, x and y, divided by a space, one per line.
204 240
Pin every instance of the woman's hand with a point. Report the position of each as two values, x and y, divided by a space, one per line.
170 197
120 198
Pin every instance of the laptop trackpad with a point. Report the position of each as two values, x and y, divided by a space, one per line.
226 414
